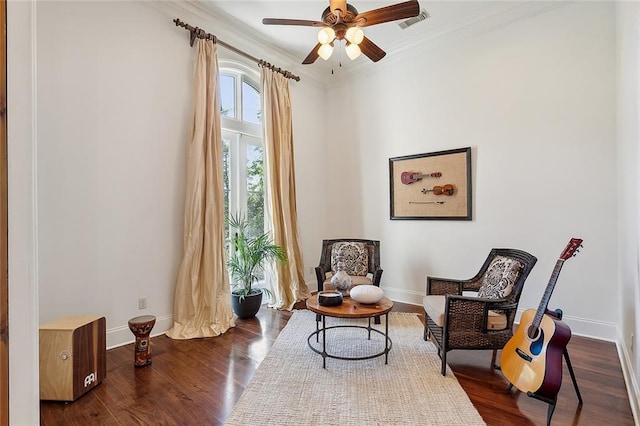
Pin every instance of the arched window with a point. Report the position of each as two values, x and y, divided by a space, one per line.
241 118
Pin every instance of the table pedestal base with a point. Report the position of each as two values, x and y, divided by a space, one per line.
387 346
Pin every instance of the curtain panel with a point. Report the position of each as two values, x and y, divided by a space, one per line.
290 286
202 303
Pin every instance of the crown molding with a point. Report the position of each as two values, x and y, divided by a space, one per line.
480 20
498 15
234 32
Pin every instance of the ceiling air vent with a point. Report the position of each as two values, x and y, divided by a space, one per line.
421 17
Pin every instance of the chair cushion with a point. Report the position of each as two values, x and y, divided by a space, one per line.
355 280
500 277
434 307
354 257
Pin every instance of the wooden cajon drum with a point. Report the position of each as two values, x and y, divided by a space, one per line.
72 357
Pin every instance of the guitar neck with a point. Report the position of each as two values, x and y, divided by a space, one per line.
547 293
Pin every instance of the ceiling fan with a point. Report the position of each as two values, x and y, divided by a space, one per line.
342 21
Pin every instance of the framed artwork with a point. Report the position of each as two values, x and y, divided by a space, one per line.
431 186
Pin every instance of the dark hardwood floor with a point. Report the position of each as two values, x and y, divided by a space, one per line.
197 382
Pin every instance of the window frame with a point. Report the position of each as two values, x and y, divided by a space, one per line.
240 134
252 78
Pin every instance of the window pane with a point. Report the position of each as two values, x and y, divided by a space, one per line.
227 96
255 190
242 151
226 168
250 104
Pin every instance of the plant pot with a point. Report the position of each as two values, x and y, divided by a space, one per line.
248 306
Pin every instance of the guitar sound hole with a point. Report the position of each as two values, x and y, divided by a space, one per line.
533 332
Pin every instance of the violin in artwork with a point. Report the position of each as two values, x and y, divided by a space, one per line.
447 189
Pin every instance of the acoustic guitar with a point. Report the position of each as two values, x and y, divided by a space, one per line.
532 359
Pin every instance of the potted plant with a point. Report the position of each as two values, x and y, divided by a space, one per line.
247 258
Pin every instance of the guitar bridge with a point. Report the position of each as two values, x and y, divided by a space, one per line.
523 355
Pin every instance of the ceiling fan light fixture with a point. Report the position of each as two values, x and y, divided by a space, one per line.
325 51
341 21
354 35
326 35
353 50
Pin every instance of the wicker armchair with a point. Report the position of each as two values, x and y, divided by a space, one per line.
325 270
484 320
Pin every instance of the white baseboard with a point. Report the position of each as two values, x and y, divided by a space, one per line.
633 390
600 330
579 326
403 296
120 336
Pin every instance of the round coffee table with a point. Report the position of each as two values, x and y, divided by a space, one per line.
350 309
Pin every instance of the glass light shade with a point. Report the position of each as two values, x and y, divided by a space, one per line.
353 50
325 51
354 35
326 35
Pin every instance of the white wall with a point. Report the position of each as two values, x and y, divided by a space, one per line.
310 134
628 57
114 115
536 102
113 108
23 290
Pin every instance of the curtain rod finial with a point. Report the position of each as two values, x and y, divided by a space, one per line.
196 32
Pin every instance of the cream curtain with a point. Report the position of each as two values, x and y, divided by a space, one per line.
290 286
202 304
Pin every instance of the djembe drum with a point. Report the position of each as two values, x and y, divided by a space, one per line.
141 328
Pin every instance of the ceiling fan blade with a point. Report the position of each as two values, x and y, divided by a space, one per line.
405 10
299 22
312 56
371 50
338 4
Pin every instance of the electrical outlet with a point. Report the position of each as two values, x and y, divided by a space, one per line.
142 303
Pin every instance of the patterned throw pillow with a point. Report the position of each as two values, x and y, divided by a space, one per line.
500 278
354 258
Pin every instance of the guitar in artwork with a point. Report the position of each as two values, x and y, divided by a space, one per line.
532 359
412 177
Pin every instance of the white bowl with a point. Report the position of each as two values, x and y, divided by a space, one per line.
366 293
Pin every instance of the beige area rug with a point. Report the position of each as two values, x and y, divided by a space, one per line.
290 387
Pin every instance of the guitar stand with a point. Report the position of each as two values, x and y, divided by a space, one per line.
552 401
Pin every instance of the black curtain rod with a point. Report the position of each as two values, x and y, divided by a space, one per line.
200 33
